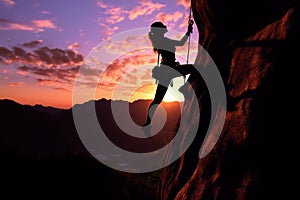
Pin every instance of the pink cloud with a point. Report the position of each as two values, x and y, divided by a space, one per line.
3 71
66 87
35 25
101 4
74 46
184 23
54 64
115 11
22 72
114 15
16 84
16 26
145 8
167 18
185 3
127 66
114 19
107 30
45 23
8 2
45 12
126 74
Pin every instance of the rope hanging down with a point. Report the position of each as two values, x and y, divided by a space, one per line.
156 81
189 42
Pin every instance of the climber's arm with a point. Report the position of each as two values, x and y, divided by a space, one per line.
184 38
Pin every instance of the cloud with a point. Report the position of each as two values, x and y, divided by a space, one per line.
63 89
32 44
136 41
121 76
101 4
3 71
169 18
74 47
185 3
22 72
56 65
145 8
55 75
45 23
45 12
129 70
115 14
34 25
6 54
8 2
58 56
107 30
115 19
53 84
15 26
16 84
184 22
19 52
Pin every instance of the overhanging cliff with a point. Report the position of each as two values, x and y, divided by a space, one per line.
254 44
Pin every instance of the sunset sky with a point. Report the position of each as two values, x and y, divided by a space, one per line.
44 43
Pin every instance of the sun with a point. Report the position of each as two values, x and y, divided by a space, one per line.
145 91
173 95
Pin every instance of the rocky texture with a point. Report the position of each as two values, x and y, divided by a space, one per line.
254 44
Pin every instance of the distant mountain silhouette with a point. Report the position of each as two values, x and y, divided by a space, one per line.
37 130
46 131
41 144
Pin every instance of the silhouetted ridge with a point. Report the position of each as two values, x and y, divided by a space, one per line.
42 154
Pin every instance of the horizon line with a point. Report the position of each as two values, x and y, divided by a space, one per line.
70 107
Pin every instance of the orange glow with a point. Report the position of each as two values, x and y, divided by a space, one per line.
170 97
31 95
36 71
146 91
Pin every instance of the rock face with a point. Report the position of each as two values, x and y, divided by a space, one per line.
255 46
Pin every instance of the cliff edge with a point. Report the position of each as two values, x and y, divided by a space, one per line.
254 45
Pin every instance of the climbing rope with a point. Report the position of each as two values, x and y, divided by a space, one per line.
189 42
158 54
190 22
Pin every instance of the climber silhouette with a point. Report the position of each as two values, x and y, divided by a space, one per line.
166 47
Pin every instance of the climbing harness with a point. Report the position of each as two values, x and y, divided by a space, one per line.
161 72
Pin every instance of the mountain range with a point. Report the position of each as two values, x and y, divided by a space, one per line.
43 153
